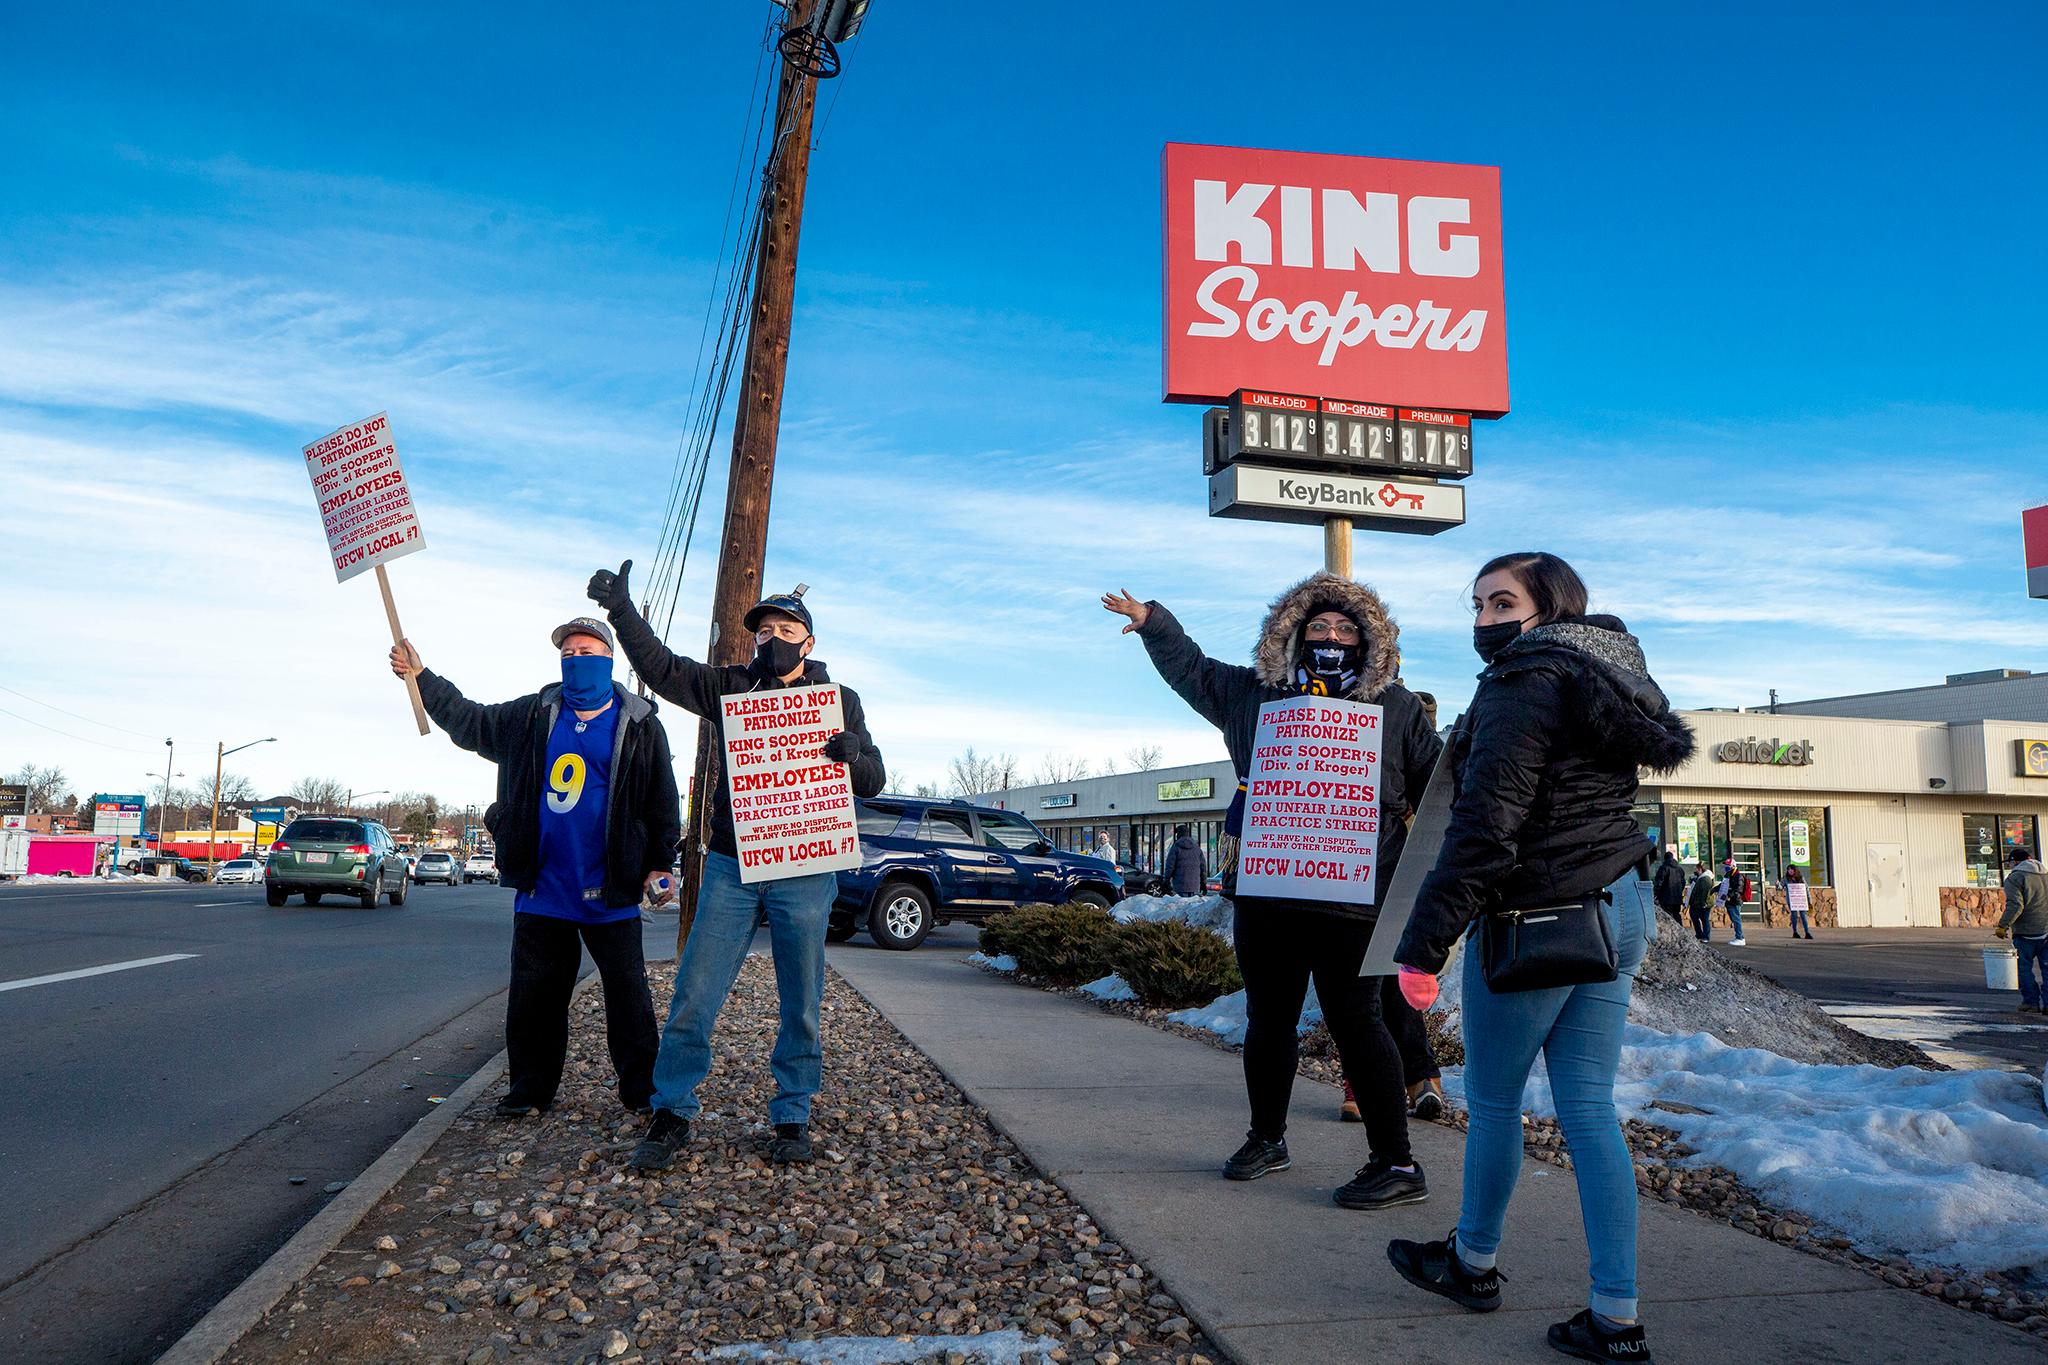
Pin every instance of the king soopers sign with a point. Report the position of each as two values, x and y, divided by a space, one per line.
1353 276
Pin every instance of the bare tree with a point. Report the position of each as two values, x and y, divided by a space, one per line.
925 789
971 774
1143 758
318 793
47 787
236 789
1056 768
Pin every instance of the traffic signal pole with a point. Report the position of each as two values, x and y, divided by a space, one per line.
751 480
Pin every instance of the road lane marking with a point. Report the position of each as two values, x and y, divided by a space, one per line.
214 905
25 982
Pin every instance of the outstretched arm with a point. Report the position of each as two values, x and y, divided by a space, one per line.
1209 685
687 683
481 729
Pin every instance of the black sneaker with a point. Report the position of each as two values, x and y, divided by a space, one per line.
510 1108
1379 1186
1429 1105
1588 1340
668 1134
1256 1158
791 1144
1435 1266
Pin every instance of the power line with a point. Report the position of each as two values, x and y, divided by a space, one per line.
118 748
75 715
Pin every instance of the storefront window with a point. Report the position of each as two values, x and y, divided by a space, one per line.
1649 817
1986 840
1802 842
1689 831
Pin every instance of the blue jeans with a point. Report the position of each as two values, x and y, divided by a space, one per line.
1734 909
724 929
1578 1030
2033 955
1799 924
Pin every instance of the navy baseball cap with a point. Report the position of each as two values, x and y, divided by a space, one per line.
788 603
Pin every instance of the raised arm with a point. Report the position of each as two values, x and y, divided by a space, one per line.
492 731
1209 685
687 683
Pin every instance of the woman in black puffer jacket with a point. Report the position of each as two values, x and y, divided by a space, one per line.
1564 718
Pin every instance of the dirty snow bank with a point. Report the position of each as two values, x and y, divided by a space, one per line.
1111 988
1002 962
1204 912
1225 1016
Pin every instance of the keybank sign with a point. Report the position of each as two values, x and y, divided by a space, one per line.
1789 753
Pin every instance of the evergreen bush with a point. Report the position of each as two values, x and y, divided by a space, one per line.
1173 965
1064 944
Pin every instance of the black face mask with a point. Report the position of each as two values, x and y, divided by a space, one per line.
776 657
1489 641
1333 660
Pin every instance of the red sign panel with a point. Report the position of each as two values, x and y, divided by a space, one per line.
1333 275
2034 532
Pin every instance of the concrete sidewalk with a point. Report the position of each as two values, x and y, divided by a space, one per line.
1135 1121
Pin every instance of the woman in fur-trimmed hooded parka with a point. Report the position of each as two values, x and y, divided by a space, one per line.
1332 637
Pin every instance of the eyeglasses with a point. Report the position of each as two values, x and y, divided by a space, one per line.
1323 630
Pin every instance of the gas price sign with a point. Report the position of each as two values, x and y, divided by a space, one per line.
1359 433
1282 424
1436 443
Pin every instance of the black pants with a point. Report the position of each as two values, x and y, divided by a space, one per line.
546 953
1702 923
1279 947
1411 1035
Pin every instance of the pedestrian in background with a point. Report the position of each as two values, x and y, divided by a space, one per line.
1564 718
1670 885
1186 873
2026 921
728 909
586 825
1699 902
1324 637
1795 902
1734 892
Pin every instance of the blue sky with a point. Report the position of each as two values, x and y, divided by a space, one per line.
1774 301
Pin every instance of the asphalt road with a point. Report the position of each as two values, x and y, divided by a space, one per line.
154 1116
1923 985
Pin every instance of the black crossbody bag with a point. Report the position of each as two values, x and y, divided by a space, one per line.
1565 944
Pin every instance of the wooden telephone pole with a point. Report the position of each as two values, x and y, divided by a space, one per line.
751 481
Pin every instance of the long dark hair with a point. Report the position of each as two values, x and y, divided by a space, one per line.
1554 587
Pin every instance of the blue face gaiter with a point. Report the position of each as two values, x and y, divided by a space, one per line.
586 681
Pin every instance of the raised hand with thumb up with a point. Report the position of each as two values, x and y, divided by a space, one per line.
609 589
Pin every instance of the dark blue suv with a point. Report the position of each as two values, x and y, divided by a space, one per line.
926 862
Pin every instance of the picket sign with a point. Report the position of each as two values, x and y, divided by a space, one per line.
792 808
1418 856
367 511
1312 802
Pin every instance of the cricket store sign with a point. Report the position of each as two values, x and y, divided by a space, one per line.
1305 273
1794 753
365 506
1312 808
792 808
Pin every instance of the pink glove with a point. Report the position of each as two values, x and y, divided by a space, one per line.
1418 988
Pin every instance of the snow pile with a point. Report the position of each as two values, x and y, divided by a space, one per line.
1942 1167
1225 1016
1204 912
1007 1347
1001 963
1111 987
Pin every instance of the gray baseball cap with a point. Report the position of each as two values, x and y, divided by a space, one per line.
585 625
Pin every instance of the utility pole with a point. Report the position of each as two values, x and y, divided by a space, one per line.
751 479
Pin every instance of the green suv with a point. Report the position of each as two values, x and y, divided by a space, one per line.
319 854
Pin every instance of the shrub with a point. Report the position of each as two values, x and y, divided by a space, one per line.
1064 944
1173 965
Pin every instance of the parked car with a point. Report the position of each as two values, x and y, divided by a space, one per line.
183 868
1139 882
436 867
481 867
926 863
239 870
344 855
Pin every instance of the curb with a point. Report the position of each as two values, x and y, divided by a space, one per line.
214 1335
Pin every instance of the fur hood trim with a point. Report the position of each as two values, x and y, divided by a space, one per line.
1626 712
1279 649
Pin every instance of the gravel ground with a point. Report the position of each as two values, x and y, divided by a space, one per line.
1710 1191
530 1240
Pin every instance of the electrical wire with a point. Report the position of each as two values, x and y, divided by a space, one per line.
838 86
118 748
104 725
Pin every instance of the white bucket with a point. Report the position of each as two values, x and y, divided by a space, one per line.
2002 967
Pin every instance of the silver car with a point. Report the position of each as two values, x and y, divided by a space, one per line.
238 870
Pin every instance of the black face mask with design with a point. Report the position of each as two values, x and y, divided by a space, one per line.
776 657
1329 659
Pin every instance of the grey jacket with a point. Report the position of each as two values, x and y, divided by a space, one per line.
2026 900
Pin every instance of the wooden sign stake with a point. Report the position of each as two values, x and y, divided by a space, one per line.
412 684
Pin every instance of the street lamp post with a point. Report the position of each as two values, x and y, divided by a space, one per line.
213 822
348 805
163 811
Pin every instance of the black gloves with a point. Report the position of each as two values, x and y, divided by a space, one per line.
609 590
843 747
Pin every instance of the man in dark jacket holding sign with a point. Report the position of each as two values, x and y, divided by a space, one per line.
728 908
585 824
1324 637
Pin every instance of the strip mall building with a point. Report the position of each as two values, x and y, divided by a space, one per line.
1898 806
